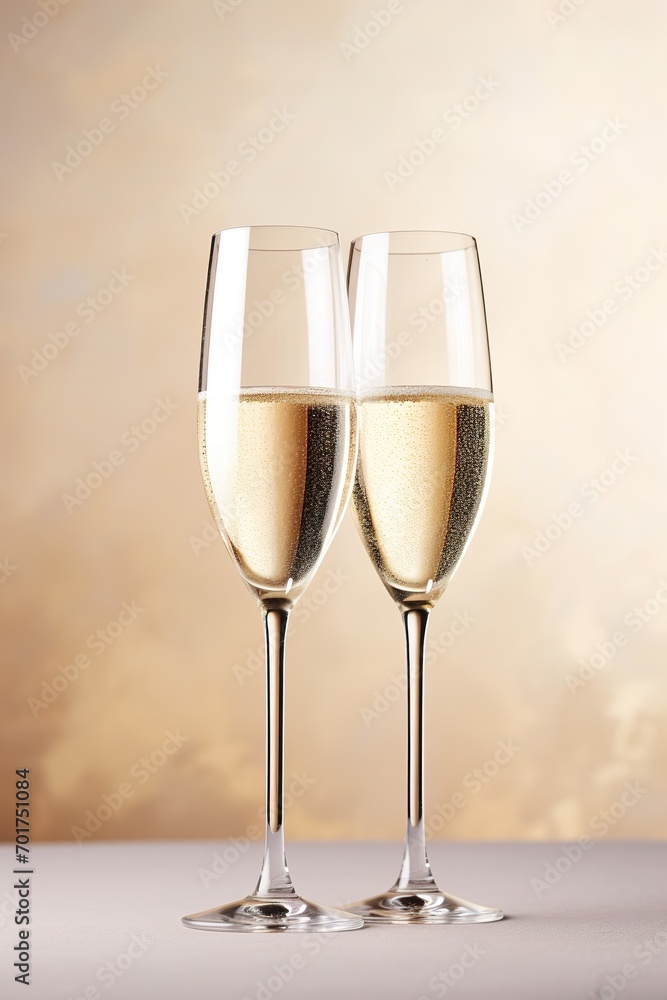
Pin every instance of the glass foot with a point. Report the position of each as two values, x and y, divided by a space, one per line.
422 906
289 913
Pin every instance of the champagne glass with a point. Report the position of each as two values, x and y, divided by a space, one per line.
425 411
277 444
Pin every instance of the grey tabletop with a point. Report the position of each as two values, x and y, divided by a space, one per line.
106 922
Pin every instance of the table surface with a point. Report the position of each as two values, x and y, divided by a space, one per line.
588 926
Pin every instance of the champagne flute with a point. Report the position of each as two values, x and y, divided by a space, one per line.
277 444
425 411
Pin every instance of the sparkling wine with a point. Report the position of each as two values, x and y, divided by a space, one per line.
424 458
277 465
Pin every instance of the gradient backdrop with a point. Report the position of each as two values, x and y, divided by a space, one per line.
132 684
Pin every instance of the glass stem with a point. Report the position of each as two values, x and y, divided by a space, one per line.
274 880
415 871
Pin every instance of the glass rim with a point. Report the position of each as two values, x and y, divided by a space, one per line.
265 234
463 241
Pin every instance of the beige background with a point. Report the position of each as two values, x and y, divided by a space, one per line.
179 665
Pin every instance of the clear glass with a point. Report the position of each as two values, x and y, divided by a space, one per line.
277 444
425 398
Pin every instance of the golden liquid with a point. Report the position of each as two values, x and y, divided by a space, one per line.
277 467
422 471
